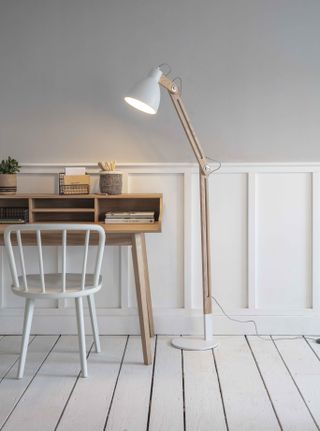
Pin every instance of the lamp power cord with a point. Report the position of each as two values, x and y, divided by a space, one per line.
211 170
254 323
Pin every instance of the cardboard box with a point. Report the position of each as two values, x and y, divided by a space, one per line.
73 180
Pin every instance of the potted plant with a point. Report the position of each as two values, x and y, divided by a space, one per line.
110 179
8 176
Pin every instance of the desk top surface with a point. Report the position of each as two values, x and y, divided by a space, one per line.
119 228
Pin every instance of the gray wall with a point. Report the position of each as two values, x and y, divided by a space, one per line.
250 69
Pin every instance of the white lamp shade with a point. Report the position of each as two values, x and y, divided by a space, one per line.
145 96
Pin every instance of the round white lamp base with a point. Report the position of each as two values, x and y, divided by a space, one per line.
193 343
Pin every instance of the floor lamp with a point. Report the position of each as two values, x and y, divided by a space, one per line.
145 96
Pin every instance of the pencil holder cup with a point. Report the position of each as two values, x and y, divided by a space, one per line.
110 182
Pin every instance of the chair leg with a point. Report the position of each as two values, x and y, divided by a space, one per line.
94 322
81 335
28 314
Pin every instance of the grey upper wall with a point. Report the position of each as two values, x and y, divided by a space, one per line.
250 69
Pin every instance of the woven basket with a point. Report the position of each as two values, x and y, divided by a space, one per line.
111 182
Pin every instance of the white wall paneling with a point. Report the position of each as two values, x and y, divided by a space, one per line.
283 246
2 282
251 227
315 241
265 252
165 251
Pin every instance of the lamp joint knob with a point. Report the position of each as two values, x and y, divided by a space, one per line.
174 88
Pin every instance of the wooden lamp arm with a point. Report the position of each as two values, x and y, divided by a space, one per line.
173 90
204 172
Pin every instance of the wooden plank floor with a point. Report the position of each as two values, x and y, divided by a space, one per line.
246 384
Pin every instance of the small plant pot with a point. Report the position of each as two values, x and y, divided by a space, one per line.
8 184
111 182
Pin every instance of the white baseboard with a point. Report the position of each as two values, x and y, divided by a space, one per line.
175 321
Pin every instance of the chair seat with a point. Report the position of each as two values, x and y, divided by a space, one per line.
53 284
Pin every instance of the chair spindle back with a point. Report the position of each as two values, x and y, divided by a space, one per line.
39 228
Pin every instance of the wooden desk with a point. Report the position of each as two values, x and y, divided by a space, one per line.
91 209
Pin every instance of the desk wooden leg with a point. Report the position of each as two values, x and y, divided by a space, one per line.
141 288
148 291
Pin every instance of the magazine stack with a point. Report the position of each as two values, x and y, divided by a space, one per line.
129 217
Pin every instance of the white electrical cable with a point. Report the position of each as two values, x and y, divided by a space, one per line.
216 161
256 327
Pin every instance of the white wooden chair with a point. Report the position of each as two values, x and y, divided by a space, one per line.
59 285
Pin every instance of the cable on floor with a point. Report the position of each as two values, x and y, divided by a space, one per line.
254 323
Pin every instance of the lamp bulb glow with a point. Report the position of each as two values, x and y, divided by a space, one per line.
140 105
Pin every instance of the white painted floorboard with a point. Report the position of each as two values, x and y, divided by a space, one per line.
245 385
304 367
130 405
167 396
246 400
9 352
289 405
314 346
88 406
12 389
41 406
203 402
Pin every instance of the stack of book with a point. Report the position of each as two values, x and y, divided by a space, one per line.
129 217
14 215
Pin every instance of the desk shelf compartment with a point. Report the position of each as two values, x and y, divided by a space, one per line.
13 203
64 203
63 210
14 209
62 217
129 204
